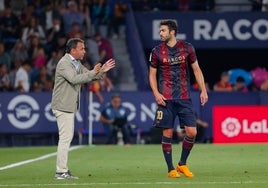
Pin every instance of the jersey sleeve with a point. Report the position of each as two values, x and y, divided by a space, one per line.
153 58
192 55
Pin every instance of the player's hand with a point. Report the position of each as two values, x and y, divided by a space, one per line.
108 65
97 68
203 97
160 99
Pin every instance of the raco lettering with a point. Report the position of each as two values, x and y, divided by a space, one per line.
242 29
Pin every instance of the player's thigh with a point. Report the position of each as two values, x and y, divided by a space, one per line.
186 114
164 116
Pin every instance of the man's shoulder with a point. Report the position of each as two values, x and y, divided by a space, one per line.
64 58
183 43
159 46
107 106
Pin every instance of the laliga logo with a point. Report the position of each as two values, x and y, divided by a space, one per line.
231 127
21 112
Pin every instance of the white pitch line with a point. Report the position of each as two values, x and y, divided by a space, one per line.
137 183
35 159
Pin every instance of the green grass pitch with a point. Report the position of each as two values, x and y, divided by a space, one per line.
215 166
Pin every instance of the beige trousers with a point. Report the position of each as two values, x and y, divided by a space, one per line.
65 122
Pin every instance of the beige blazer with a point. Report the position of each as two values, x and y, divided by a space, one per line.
67 86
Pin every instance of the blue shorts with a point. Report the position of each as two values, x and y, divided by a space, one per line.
166 115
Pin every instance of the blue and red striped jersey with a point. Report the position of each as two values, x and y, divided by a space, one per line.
172 64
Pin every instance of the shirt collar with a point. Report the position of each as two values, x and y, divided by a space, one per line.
75 62
73 59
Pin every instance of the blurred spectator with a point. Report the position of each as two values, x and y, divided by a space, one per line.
9 28
19 52
12 73
183 5
4 78
264 86
61 6
53 61
223 84
37 55
38 6
100 14
33 29
118 15
106 84
27 15
71 16
202 5
94 86
47 17
36 52
104 47
76 31
142 5
39 58
264 5
105 51
195 87
53 34
146 5
18 6
92 52
42 82
256 5
85 8
168 5
4 56
240 85
60 42
114 118
22 79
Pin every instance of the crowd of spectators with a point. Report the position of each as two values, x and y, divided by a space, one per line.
196 5
33 33
173 5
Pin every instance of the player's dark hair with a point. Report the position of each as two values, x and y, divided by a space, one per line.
171 25
116 95
72 44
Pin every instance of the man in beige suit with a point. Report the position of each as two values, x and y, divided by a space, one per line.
69 76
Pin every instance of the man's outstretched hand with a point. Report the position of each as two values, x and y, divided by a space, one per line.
108 65
105 67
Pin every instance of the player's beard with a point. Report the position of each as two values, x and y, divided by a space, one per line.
166 39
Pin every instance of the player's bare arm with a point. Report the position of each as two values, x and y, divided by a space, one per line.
159 98
201 83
